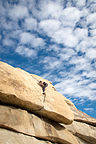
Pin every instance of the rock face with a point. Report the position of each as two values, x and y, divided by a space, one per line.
83 131
9 137
29 124
29 116
82 117
21 89
83 127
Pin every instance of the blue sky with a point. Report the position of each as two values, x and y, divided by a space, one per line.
55 39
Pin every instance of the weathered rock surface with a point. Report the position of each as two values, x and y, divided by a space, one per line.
83 127
28 116
80 141
21 89
29 124
9 137
82 117
83 131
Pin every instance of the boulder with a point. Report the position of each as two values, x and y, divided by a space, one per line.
21 89
80 141
54 101
29 116
83 131
83 117
10 137
83 126
23 122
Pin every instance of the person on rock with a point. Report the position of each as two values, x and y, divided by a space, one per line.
43 85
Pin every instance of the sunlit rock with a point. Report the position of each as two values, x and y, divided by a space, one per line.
21 89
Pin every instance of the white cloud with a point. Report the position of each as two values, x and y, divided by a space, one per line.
30 23
8 25
92 7
47 9
54 48
26 38
2 9
91 42
86 43
71 13
88 109
91 53
53 9
78 60
82 46
26 51
93 32
65 36
79 3
84 13
74 84
65 54
81 63
14 34
49 26
81 33
18 12
91 74
69 90
70 16
51 63
59 23
70 86
7 42
37 42
91 18
92 85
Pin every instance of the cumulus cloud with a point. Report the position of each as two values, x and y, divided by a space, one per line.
2 9
91 74
7 42
71 86
53 47
84 13
47 9
0 37
92 85
51 63
65 54
30 23
80 4
91 53
70 16
18 12
93 32
88 109
24 51
66 37
81 33
8 25
26 37
49 26
91 19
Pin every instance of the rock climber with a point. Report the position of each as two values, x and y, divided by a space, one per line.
43 85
